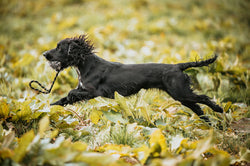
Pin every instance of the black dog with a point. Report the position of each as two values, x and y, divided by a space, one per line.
98 77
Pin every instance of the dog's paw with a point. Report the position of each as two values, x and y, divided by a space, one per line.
218 109
57 103
63 105
62 102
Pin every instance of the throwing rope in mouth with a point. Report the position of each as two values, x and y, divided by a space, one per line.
45 90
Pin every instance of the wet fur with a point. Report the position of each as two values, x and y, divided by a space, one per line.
98 77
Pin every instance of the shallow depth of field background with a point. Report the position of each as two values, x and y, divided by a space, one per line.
148 128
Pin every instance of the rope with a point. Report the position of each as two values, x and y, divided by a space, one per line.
46 91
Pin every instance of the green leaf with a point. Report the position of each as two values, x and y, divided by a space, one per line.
124 104
143 107
103 104
115 117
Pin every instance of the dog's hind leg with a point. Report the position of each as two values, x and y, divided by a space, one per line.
177 86
203 99
197 109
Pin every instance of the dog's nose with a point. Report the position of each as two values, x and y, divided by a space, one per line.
47 55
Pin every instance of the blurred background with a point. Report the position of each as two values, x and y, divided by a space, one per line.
128 31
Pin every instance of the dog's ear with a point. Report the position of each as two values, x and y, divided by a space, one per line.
73 49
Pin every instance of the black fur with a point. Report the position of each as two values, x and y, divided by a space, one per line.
98 77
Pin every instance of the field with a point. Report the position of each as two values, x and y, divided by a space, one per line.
149 128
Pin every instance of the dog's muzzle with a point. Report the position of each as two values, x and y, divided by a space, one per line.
55 65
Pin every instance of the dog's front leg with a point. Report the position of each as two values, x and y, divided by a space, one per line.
74 96
78 95
61 102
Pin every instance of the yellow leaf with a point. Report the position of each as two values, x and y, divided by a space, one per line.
54 133
24 61
43 125
142 153
79 146
194 56
6 153
158 143
113 149
95 116
202 146
97 159
22 148
227 106
4 109
24 112
188 145
68 22
56 108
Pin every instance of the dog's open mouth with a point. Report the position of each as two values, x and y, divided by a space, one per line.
56 65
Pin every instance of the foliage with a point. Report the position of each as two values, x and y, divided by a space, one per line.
148 128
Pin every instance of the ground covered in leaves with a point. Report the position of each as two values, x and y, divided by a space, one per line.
148 128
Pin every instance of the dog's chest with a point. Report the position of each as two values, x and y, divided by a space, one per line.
80 84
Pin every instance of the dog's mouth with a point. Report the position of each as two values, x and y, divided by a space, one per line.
56 65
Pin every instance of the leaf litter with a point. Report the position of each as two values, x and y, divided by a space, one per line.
148 128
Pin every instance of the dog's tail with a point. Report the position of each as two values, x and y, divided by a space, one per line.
184 66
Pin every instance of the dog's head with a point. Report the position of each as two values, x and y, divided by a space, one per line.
69 52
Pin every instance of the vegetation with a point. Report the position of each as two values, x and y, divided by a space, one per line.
148 128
